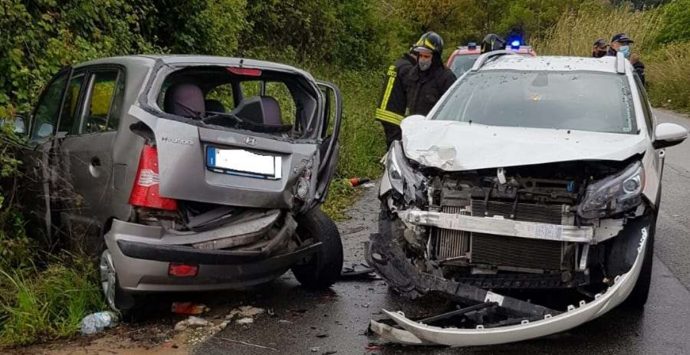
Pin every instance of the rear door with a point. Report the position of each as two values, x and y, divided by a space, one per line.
87 154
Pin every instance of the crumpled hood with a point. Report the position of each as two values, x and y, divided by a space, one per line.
457 146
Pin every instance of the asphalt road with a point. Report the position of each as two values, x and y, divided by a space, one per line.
336 321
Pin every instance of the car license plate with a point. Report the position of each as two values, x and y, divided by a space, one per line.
244 162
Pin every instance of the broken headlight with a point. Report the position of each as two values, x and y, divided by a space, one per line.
404 180
614 194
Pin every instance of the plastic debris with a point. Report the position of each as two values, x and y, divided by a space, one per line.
246 320
96 322
188 308
245 312
354 182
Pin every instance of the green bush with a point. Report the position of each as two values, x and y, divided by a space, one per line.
676 26
668 74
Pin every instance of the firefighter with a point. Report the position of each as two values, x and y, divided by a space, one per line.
393 101
492 42
429 79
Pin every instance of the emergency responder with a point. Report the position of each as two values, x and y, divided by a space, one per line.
429 79
621 43
599 48
639 67
492 42
393 101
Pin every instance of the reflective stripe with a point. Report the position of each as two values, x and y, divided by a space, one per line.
392 73
388 116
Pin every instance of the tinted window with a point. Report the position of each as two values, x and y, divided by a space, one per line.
68 120
587 101
46 113
103 102
463 63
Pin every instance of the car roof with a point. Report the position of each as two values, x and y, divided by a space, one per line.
193 59
551 63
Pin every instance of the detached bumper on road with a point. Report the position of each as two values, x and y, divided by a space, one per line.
417 333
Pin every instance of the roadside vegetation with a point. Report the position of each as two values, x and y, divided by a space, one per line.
46 290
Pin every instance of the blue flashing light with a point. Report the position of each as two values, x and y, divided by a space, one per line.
515 43
472 45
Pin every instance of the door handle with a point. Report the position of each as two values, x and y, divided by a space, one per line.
95 161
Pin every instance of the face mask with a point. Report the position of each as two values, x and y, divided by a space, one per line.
625 50
424 64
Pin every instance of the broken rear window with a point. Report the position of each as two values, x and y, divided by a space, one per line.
587 101
257 100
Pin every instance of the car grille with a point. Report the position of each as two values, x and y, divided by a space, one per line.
516 252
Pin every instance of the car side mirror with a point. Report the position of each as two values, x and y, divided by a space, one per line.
414 118
668 135
20 125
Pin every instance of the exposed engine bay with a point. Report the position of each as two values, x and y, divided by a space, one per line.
513 232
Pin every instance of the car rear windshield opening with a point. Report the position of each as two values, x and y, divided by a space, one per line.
263 101
587 101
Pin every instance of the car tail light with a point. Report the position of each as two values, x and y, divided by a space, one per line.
146 190
182 270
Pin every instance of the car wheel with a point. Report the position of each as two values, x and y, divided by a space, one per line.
323 268
117 299
639 294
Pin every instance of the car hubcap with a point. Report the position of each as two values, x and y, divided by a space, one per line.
108 278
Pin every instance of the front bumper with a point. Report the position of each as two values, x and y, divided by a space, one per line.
142 254
418 333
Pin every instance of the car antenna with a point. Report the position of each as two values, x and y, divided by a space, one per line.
241 62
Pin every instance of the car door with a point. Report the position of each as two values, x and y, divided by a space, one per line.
87 155
37 182
329 149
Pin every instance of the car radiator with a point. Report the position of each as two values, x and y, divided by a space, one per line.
497 250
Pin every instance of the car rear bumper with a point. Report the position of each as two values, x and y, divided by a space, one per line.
142 254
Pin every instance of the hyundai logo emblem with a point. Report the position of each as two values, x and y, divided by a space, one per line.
250 140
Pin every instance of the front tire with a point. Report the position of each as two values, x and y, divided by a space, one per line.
324 267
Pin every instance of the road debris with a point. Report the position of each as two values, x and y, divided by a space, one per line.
191 322
96 322
356 181
188 308
246 320
245 312
359 271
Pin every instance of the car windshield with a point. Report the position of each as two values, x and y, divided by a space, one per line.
463 63
587 101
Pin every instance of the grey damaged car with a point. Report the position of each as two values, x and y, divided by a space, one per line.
187 173
529 196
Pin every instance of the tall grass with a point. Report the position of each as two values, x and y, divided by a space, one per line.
40 305
362 140
576 30
667 69
668 75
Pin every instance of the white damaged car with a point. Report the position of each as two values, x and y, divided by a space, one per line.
528 195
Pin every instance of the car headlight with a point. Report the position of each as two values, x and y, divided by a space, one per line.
614 194
403 178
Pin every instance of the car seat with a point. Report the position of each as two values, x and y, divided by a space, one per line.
263 110
185 99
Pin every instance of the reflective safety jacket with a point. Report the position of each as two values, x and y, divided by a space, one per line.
393 101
